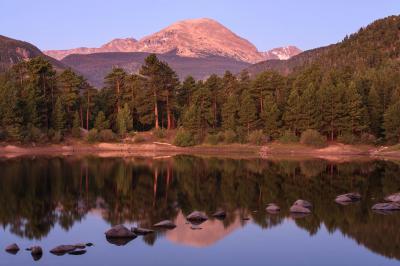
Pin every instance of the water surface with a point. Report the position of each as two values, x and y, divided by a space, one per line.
49 201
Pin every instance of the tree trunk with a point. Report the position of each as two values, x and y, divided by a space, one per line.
87 111
156 111
169 122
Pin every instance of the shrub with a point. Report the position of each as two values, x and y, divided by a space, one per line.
184 138
212 139
288 137
58 137
50 133
312 137
139 139
347 138
76 132
230 136
92 135
160 133
257 137
35 134
368 138
106 135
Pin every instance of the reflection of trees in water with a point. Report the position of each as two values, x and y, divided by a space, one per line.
41 192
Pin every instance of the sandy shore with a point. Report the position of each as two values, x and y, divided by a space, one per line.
332 152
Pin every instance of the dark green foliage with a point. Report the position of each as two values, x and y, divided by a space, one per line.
93 135
312 137
212 139
392 123
184 138
101 123
257 137
160 133
288 137
230 136
106 135
58 116
76 126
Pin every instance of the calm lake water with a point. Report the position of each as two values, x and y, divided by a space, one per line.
49 201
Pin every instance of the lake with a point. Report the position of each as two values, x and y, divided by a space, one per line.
49 201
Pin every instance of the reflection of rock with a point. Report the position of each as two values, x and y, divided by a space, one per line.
77 252
272 208
166 224
220 214
302 203
36 252
197 216
348 198
141 231
394 197
119 241
12 249
212 231
301 206
119 231
62 249
389 206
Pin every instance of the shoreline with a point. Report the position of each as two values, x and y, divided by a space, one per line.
333 151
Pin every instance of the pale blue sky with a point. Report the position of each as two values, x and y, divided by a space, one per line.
58 24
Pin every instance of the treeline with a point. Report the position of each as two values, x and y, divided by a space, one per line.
37 104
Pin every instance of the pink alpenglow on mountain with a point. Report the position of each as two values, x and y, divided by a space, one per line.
189 38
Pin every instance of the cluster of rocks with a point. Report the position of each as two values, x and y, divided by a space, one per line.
299 208
392 204
37 251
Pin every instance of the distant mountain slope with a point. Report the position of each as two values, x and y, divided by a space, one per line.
190 38
95 66
13 51
369 47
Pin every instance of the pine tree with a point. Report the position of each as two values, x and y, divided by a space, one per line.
230 113
124 120
101 123
375 111
59 116
392 123
76 125
247 112
270 117
291 116
353 111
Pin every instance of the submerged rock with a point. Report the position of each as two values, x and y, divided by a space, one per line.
13 248
77 252
62 249
387 206
348 198
220 214
197 216
394 197
272 208
141 231
119 231
166 224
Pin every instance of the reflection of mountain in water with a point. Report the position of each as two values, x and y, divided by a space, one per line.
210 233
37 193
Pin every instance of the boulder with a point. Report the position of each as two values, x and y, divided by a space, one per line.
36 252
387 206
394 197
299 209
197 216
141 231
348 198
119 231
166 224
77 252
62 249
303 203
13 248
272 208
220 214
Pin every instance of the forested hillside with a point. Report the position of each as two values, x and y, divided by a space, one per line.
349 92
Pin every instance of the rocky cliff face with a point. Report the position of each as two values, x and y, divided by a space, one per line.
190 38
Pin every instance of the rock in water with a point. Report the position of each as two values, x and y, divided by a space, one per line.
299 209
272 208
80 246
197 216
141 231
348 197
388 206
36 252
166 224
62 249
303 203
220 214
119 231
77 252
394 197
13 248
89 244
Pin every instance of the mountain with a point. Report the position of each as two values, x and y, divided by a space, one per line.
281 53
95 66
13 51
190 38
370 47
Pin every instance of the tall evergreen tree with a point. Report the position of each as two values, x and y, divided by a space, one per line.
247 112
